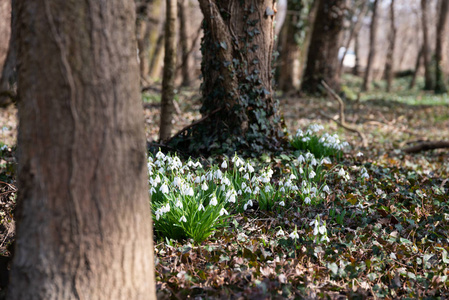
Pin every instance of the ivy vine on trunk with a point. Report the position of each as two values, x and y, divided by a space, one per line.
238 108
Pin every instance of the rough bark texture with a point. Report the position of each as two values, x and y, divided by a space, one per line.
5 29
237 101
184 41
356 69
322 60
428 82
8 69
372 48
290 46
416 70
391 46
83 216
168 79
440 81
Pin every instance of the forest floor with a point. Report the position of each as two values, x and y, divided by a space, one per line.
388 234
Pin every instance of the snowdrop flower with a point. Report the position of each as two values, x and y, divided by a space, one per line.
326 161
218 174
250 168
197 179
230 196
301 171
160 155
309 155
313 162
305 139
183 219
312 174
152 190
342 172
294 235
295 188
299 133
246 176
280 232
322 229
267 189
224 165
359 154
164 189
178 204
204 186
282 190
223 212
307 200
189 192
248 190
239 192
244 185
282 203
201 207
301 159
292 177
249 203
225 181
157 180
256 190
213 201
223 188
326 189
176 181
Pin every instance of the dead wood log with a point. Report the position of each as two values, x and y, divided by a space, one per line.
425 146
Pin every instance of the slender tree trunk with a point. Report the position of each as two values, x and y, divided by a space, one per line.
440 81
238 108
84 226
391 47
157 56
356 26
290 48
428 84
417 65
8 74
5 29
322 61
304 49
184 41
372 48
356 69
168 80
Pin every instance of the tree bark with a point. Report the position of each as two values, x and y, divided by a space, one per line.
440 81
304 49
184 42
372 48
322 60
238 107
84 226
356 69
290 45
8 74
157 56
168 79
391 47
428 82
416 70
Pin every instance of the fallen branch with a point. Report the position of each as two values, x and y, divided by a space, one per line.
425 146
342 121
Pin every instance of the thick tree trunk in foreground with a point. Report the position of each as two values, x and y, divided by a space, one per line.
168 80
83 217
372 48
428 82
238 106
440 81
322 61
290 47
391 46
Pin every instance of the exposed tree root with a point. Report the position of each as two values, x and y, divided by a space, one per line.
425 146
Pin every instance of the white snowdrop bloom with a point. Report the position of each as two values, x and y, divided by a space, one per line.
359 154
161 170
326 189
301 171
246 176
305 139
179 204
190 164
313 190
326 161
288 183
223 188
213 201
204 186
198 165
282 190
307 200
197 179
255 179
183 219
158 216
201 207
322 229
176 181
157 180
160 155
312 174
248 190
224 165
342 172
164 189
189 177
223 212
314 223
244 185
292 177
301 159
316 127
231 198
209 176
315 230
280 232
166 208
325 239
299 133
282 203
295 188
379 192
189 191
152 190
203 178
218 174
309 156
225 181
250 168
249 203
267 189
345 144
294 235
239 192
313 162
256 190
365 175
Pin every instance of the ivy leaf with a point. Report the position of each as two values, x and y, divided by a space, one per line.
269 11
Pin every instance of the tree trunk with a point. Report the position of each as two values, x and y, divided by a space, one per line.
84 226
184 42
440 83
391 46
356 69
417 65
168 80
355 28
238 108
8 74
157 56
372 48
5 29
290 45
322 60
304 49
428 84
